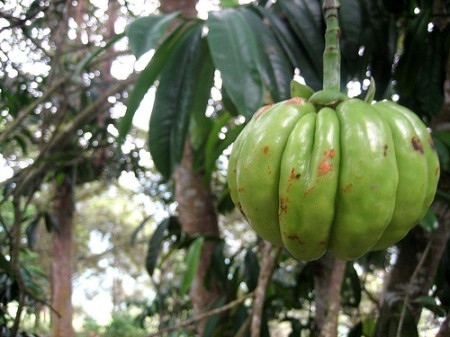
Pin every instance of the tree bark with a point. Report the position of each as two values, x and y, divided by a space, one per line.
328 276
197 216
61 271
444 330
196 210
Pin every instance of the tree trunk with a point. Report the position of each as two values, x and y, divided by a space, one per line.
61 271
328 275
198 217
196 210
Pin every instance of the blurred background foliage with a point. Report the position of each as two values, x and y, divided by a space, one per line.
106 98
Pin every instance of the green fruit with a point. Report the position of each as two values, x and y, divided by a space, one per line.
332 173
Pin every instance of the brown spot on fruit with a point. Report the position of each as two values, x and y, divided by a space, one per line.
294 175
240 189
385 149
324 167
269 169
347 187
417 144
293 237
430 140
329 153
321 243
295 100
436 172
309 190
266 150
283 206
262 110
239 205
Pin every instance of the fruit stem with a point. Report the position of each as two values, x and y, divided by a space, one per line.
332 54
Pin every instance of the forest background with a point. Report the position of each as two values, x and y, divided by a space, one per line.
116 121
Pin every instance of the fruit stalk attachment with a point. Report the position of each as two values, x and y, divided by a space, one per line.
332 54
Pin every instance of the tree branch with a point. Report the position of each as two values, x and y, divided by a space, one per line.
12 127
330 325
202 316
62 138
269 261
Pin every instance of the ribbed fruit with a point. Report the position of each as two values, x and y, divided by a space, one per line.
349 178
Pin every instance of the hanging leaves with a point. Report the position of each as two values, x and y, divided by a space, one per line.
179 92
234 50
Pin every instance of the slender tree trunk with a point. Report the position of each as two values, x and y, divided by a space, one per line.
61 272
328 276
196 209
198 217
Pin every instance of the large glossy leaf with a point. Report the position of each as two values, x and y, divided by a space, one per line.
380 42
251 270
352 25
192 261
234 50
180 91
425 94
146 33
306 20
149 75
276 69
414 51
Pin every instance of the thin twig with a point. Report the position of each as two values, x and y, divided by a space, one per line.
15 264
408 288
12 127
270 258
62 138
202 316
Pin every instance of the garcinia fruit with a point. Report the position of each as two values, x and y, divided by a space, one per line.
348 177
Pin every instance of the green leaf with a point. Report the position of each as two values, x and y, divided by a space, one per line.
251 266
275 68
212 323
306 20
442 151
154 246
293 49
148 76
415 47
191 263
431 304
91 56
51 222
356 331
5 265
216 145
146 33
429 222
233 47
351 23
31 231
370 92
300 90
138 229
178 93
351 288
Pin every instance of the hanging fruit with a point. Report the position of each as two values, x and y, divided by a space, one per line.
322 172
349 179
